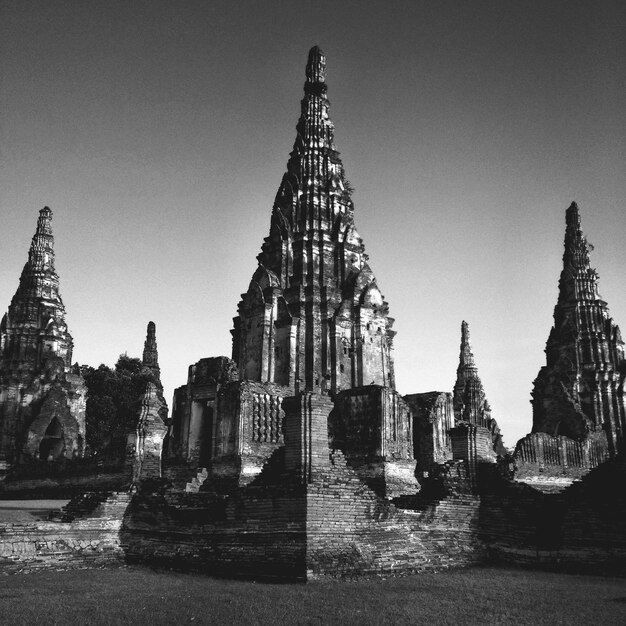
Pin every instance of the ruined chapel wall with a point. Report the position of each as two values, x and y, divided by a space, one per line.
433 417
542 454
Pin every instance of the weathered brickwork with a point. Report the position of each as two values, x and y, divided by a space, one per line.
258 531
335 526
90 537
329 526
353 532
306 433
579 529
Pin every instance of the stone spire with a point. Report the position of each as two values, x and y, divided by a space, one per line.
150 354
580 389
470 403
469 400
467 366
313 318
42 401
34 327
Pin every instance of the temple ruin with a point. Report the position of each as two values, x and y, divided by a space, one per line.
295 457
578 400
312 325
42 398
144 444
472 413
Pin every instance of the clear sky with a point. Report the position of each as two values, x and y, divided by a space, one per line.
158 133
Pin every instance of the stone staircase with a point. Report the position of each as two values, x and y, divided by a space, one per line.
193 486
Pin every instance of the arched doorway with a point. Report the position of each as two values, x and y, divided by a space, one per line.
52 443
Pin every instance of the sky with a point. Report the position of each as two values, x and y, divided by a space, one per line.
158 133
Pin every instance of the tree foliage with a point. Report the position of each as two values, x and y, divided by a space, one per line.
112 402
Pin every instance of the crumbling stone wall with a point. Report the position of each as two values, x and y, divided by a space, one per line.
332 527
89 538
258 532
353 532
579 529
335 526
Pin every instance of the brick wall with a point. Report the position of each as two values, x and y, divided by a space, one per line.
352 532
90 537
332 526
335 526
257 532
580 529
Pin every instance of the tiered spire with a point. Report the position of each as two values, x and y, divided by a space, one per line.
469 400
578 282
313 318
314 190
34 327
41 253
150 353
578 390
470 403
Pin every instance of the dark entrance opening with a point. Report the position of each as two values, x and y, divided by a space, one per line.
52 444
206 436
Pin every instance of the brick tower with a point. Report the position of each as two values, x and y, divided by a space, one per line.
580 390
475 430
313 317
42 401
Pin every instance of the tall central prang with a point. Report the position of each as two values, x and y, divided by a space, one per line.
313 317
312 367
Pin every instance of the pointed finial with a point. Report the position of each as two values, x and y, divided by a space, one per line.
464 331
44 222
576 254
150 353
41 253
316 66
572 215
466 356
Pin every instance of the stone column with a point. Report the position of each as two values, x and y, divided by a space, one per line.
306 433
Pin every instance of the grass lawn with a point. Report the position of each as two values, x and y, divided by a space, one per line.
482 595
